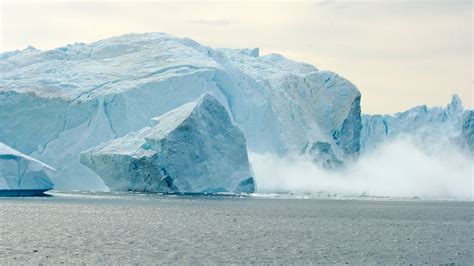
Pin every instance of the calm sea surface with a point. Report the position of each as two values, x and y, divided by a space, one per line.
157 229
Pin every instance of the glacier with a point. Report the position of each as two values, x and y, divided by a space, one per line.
431 127
58 103
194 148
22 175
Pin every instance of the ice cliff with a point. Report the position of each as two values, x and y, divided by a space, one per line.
58 103
193 148
451 124
467 131
22 172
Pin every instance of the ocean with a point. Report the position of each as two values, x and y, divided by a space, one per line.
129 228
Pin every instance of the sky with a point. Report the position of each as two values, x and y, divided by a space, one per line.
398 53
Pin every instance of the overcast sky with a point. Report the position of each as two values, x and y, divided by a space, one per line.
398 53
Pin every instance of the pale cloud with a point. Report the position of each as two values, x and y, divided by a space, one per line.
398 53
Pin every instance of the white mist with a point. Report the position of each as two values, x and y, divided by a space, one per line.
399 168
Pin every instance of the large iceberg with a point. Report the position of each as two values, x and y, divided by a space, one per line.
21 175
450 125
194 148
55 104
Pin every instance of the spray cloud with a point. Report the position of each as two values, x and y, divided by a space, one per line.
398 168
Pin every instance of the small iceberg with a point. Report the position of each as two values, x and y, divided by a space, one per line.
22 175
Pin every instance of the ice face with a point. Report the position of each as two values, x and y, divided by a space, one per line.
467 132
427 125
193 148
21 172
55 104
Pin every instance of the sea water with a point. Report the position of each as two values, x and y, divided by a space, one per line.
125 228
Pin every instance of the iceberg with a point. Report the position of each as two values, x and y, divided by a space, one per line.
195 148
467 132
22 175
58 103
451 125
